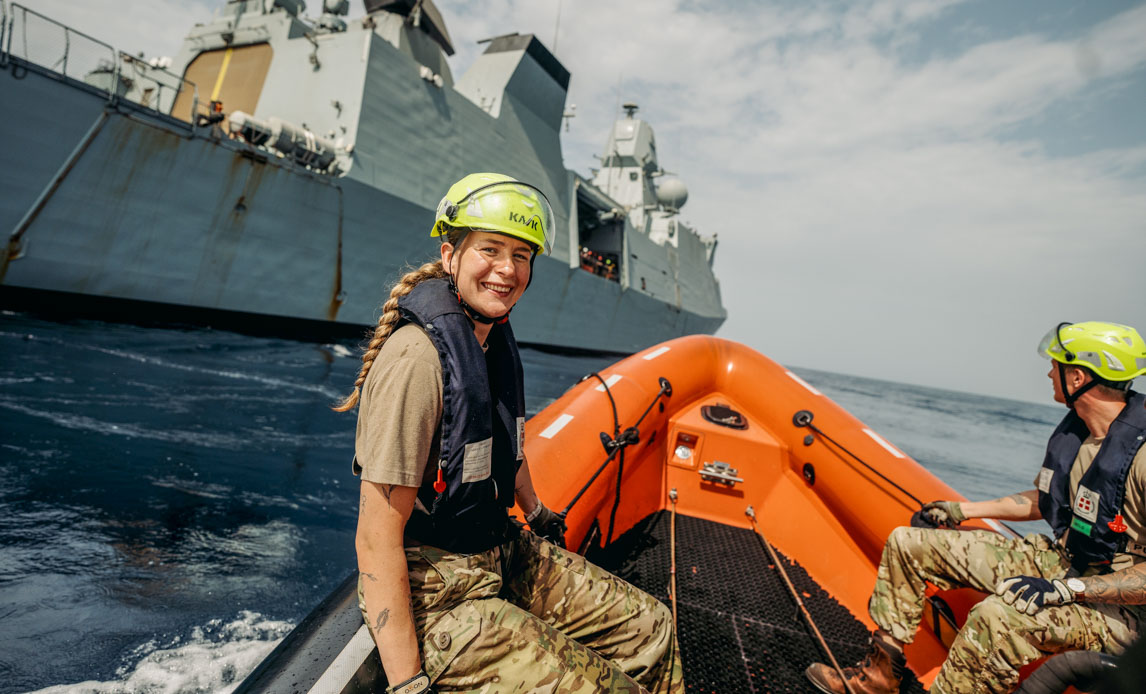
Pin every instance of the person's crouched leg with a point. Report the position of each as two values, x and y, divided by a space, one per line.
612 617
998 640
491 645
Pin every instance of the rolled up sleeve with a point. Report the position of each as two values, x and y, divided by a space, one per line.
398 421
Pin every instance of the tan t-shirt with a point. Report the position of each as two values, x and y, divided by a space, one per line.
399 413
1133 503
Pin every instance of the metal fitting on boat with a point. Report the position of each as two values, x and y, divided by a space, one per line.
718 471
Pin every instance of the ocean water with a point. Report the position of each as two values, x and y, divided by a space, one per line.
173 500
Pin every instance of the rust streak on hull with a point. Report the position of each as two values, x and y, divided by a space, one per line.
336 296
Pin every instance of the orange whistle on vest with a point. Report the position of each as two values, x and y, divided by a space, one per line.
1117 525
440 486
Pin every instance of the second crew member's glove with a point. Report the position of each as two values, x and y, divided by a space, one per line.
1029 594
547 525
942 514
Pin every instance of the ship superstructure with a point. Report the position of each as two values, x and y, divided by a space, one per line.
280 168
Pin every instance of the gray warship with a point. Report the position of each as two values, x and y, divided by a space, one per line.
281 170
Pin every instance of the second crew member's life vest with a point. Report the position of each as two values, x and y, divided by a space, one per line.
1100 491
482 428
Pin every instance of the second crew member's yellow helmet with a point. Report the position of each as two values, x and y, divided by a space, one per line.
498 203
1115 353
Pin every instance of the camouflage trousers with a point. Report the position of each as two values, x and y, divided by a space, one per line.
528 616
996 640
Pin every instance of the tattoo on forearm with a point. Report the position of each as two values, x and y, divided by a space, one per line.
1019 499
362 502
387 490
372 577
1122 588
383 617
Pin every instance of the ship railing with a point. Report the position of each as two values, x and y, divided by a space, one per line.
153 86
3 31
43 41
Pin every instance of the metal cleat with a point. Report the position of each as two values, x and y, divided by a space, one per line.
723 473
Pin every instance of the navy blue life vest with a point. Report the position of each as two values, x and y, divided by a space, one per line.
1100 491
483 424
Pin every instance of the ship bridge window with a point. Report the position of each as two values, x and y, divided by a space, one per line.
600 235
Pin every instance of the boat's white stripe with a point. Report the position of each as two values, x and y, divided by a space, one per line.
557 425
343 667
879 439
655 353
610 381
802 382
1000 528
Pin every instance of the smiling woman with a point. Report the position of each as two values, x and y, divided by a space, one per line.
451 591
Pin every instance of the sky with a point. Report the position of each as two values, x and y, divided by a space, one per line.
909 190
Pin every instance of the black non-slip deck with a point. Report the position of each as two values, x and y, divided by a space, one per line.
739 627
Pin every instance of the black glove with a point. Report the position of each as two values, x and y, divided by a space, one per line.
941 514
547 525
418 684
1029 594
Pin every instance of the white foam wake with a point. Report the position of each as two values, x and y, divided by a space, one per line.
340 350
214 659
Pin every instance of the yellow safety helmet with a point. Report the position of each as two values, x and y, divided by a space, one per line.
1115 353
498 203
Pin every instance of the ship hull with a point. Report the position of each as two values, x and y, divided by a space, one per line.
125 207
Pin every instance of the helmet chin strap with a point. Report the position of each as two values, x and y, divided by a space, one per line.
472 312
1068 396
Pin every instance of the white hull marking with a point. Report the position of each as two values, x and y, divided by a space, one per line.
804 383
879 439
343 667
655 353
610 381
1000 528
557 425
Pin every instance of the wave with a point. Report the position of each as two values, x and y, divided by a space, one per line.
224 373
170 364
14 381
82 423
213 659
340 350
245 439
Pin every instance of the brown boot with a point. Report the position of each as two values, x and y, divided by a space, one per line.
880 672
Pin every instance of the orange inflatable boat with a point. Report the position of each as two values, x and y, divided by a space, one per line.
723 484
752 460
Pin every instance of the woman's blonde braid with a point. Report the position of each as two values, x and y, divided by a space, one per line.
386 323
